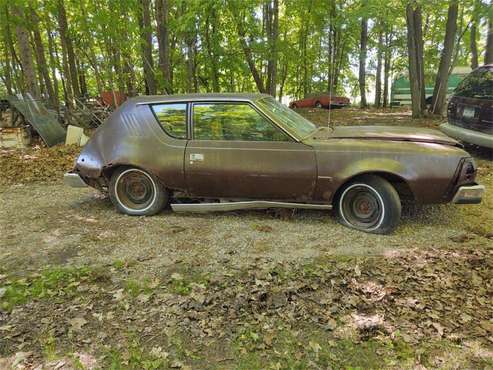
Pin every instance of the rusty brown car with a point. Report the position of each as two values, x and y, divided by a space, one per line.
321 101
221 152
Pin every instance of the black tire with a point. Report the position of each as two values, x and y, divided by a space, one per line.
318 105
369 204
136 192
294 106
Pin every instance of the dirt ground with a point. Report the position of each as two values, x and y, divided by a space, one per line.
81 285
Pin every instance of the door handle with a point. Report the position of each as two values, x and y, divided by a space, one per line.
196 157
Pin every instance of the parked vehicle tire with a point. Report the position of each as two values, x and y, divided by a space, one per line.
318 105
136 192
369 204
294 106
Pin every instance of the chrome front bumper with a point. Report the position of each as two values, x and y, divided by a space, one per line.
73 180
470 194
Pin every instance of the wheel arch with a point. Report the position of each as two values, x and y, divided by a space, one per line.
398 182
108 171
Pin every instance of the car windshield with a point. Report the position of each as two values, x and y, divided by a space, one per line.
290 120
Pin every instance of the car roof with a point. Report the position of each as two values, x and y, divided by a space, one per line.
153 99
485 66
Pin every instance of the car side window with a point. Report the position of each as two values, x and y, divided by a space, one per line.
233 122
479 84
173 118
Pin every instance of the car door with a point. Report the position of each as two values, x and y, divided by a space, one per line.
237 152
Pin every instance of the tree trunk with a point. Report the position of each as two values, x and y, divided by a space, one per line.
378 77
68 48
117 64
415 53
7 69
473 42
386 68
284 75
9 42
162 14
54 66
146 46
474 46
41 58
488 56
7 72
29 81
272 36
362 61
82 79
191 85
248 52
441 82
211 44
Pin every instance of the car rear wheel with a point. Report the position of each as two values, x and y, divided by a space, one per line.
136 192
369 204
294 106
318 105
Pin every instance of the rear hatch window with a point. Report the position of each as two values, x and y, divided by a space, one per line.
478 85
474 109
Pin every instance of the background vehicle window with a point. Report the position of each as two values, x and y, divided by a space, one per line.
173 118
241 122
479 84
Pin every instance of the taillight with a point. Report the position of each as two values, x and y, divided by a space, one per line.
467 172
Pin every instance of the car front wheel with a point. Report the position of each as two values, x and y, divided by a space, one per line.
136 192
369 204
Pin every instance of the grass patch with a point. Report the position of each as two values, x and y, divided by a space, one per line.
50 283
135 357
184 284
283 347
123 264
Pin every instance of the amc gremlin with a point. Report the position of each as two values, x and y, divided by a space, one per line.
222 152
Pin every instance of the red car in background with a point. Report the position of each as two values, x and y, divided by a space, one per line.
321 101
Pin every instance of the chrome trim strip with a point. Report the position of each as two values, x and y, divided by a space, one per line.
233 206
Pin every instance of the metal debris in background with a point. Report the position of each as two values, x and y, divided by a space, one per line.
45 122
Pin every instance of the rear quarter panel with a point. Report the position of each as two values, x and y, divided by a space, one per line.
428 169
132 136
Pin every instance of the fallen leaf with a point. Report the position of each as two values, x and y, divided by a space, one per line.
314 346
77 323
438 327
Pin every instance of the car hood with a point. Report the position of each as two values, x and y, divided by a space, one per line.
391 133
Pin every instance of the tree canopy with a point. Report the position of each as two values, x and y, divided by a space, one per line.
66 49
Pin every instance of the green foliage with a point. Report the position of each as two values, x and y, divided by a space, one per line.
184 284
135 357
317 42
136 287
50 283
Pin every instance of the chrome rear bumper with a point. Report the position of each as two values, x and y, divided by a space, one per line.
469 136
470 194
73 180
